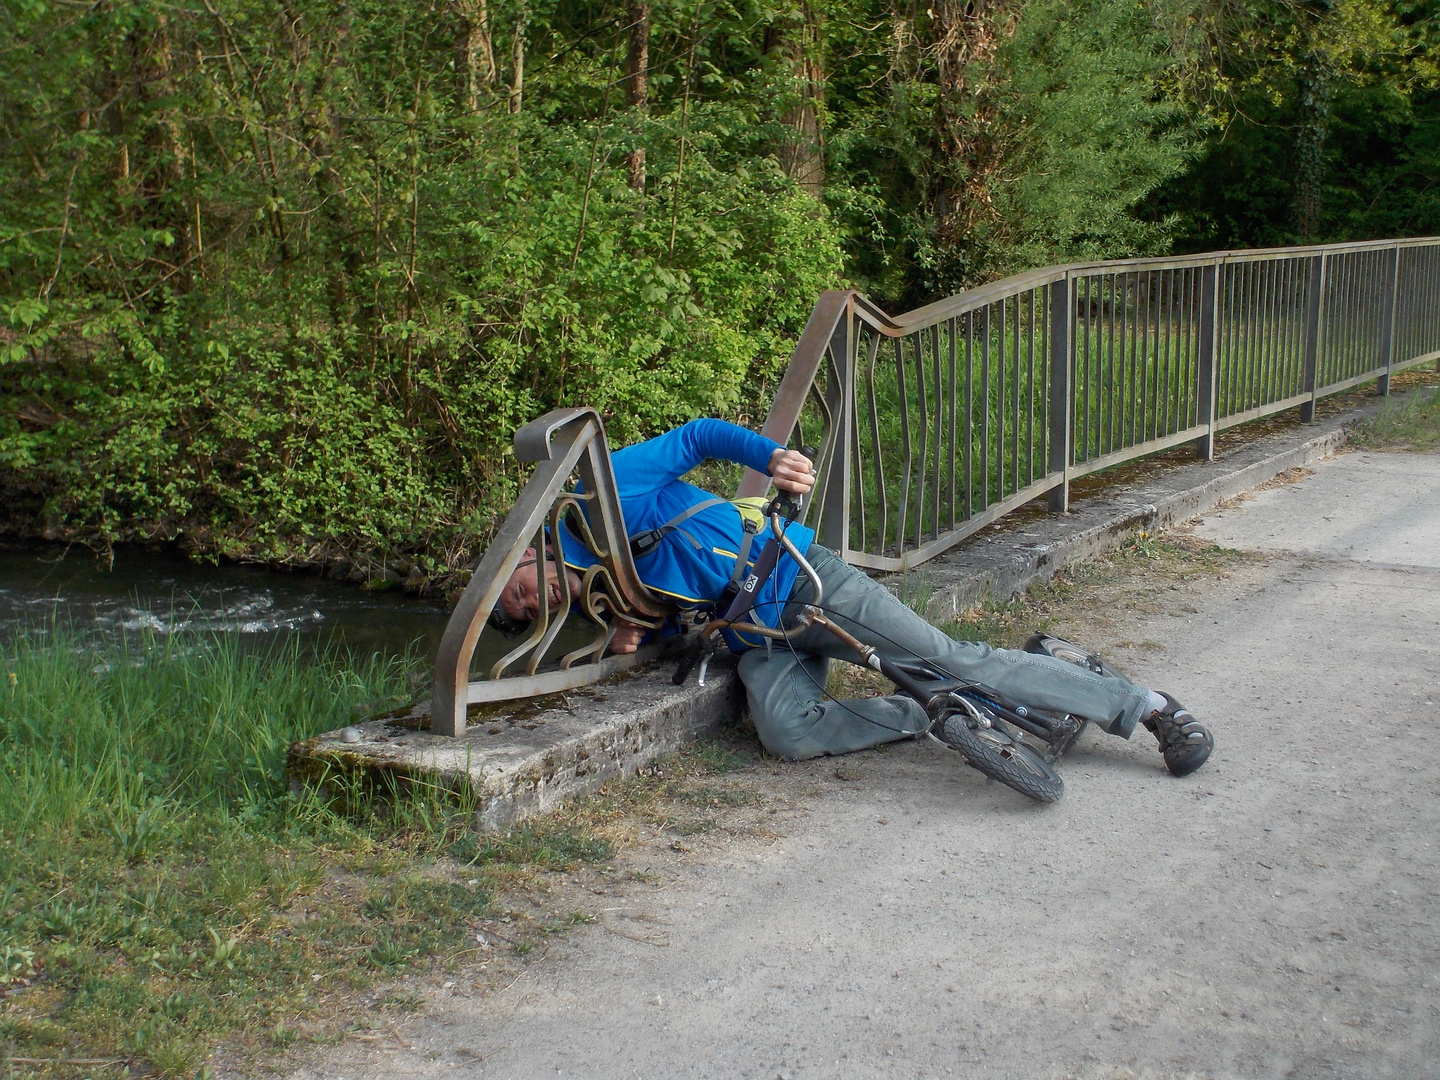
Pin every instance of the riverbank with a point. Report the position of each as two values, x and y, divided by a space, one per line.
164 890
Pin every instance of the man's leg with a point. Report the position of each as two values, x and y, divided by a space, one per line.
873 614
786 693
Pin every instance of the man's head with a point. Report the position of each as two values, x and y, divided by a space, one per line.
519 603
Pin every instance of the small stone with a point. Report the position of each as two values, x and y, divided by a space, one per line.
350 734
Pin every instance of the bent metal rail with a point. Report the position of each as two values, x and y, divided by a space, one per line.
935 423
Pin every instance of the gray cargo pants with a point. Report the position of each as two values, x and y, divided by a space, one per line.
795 720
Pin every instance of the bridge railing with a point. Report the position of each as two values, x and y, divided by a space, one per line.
935 423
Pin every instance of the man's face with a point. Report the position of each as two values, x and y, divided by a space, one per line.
519 599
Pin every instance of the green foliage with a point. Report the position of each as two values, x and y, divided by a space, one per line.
1411 422
269 281
1325 124
282 279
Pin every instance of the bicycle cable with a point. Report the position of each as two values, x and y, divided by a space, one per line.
799 662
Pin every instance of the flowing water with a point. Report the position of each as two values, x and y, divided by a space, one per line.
162 592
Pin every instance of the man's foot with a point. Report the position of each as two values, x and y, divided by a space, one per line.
1184 742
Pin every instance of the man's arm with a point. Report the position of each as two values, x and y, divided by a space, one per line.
656 462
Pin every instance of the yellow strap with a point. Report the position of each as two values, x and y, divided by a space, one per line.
752 510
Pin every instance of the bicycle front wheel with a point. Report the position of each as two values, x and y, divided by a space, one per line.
1000 756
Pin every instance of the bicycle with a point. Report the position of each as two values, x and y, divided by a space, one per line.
986 727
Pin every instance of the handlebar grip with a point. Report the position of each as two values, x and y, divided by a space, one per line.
787 501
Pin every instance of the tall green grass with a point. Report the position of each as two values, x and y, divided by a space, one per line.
161 886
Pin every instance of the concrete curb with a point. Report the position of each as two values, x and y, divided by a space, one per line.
519 761
1000 565
526 760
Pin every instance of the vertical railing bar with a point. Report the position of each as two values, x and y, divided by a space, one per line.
1267 370
1000 399
1333 317
1185 365
905 443
1314 330
1387 321
1252 295
1030 392
924 426
1149 389
1237 314
881 496
1081 299
939 425
1253 357
1290 304
1355 346
1149 359
1002 409
1224 283
1127 382
1108 422
1162 349
985 408
951 327
1137 385
1339 332
1263 368
1061 364
1237 320
969 411
1015 433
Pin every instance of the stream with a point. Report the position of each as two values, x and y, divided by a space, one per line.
162 592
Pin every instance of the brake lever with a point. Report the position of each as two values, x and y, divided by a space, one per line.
698 651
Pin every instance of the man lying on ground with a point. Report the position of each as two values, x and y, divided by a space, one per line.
693 546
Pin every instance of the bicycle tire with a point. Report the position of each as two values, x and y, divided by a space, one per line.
1071 653
1000 756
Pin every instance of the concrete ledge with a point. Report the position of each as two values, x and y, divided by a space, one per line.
1004 560
519 761
523 760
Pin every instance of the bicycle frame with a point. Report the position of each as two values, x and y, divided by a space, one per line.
935 690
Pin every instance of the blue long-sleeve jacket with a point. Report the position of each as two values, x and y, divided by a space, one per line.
647 477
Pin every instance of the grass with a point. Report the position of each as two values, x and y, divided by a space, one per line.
1410 423
165 893
1146 573
162 890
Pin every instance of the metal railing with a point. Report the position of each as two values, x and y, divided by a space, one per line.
573 483
933 424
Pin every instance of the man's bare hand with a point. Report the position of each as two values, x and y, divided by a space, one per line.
791 471
627 637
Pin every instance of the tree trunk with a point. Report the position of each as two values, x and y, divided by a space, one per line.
637 63
968 36
1316 95
477 52
792 43
517 84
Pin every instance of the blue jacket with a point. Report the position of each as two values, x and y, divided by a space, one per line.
647 477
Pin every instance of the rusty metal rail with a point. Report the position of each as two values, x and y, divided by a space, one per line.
567 445
935 423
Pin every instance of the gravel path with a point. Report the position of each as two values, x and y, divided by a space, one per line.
1273 915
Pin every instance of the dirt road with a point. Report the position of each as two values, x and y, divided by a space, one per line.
1274 915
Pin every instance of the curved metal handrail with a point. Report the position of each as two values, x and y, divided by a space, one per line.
566 445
